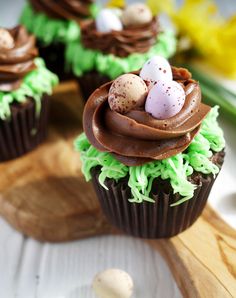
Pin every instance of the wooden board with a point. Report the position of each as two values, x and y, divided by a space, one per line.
44 195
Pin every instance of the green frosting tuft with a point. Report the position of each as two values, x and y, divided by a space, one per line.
49 30
82 60
36 83
94 10
176 168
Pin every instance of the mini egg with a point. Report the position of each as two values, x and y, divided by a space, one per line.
107 21
156 69
126 92
165 99
6 40
136 14
116 11
113 283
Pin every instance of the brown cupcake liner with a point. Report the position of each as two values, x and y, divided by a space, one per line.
54 57
23 131
90 81
151 220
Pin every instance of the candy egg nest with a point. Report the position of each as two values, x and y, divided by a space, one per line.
163 99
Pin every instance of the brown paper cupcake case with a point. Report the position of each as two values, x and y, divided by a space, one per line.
151 220
90 81
24 131
54 57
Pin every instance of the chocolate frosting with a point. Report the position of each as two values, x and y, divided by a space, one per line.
120 43
64 9
17 61
136 137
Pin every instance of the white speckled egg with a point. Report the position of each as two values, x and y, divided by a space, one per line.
6 40
106 21
165 99
117 11
156 69
136 14
113 283
126 92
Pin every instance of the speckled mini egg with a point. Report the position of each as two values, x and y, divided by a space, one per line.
136 14
126 92
107 21
6 40
156 69
113 283
165 99
116 11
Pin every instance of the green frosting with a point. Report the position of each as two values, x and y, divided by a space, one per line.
82 60
176 168
36 83
49 30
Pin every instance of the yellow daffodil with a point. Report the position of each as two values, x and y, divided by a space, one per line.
212 36
116 3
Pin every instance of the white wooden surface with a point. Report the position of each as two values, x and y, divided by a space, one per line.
29 269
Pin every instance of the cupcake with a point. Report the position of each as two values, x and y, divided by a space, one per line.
25 84
55 23
152 149
116 42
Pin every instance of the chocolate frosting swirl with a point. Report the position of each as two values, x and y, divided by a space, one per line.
64 9
136 137
17 61
120 43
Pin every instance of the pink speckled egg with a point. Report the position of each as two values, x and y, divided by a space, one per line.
165 99
126 92
156 69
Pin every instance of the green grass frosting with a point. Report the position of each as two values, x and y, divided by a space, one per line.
82 60
176 168
36 83
48 30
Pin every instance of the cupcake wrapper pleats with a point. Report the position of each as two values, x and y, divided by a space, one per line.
90 81
151 220
23 131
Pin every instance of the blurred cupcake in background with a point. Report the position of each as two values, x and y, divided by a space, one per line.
25 83
55 23
152 149
116 42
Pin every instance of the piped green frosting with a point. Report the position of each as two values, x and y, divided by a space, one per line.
82 60
36 83
49 30
176 168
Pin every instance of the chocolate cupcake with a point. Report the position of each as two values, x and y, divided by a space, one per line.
55 23
25 84
152 149
116 42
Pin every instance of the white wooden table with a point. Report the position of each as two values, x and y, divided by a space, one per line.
29 269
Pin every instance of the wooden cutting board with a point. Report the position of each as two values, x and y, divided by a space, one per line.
44 196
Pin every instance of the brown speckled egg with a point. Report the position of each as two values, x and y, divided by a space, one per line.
6 40
126 92
136 14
